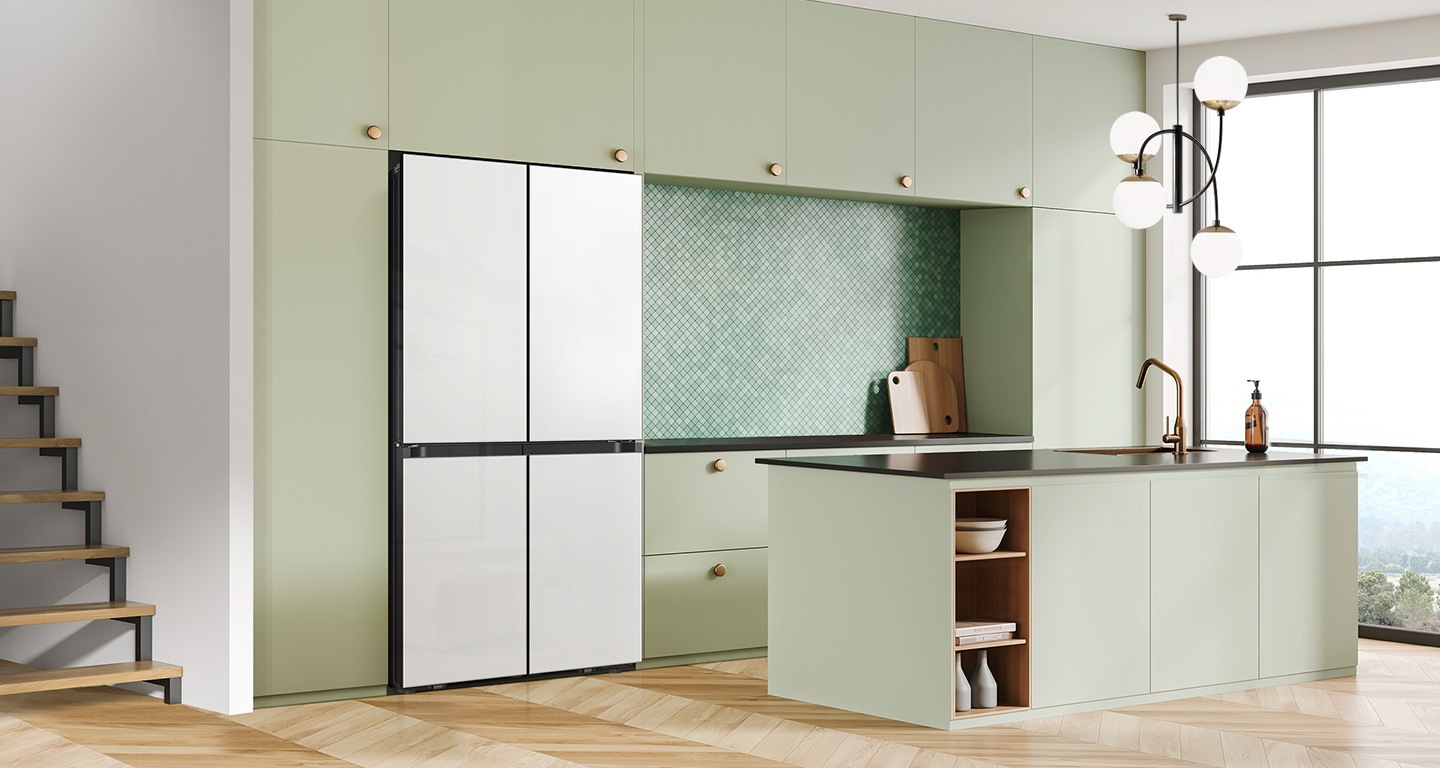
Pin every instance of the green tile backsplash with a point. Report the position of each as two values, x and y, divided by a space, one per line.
780 315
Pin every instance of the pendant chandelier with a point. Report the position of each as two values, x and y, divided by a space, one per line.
1140 200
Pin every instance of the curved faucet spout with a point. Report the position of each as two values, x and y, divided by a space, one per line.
1178 436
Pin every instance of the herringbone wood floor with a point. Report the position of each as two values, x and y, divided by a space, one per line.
1388 716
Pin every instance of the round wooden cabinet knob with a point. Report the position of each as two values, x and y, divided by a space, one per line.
719 465
907 182
719 570
1024 192
621 155
775 169
374 132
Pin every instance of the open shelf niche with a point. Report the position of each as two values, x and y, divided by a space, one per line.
997 586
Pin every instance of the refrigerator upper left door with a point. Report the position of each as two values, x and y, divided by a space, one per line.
463 274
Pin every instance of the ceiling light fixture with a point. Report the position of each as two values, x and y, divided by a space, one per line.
1139 201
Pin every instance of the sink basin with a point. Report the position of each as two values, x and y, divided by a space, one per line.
1129 451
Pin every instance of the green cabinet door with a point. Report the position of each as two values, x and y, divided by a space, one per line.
1090 592
701 501
689 608
715 89
1205 594
545 81
850 106
321 287
972 113
1079 91
320 71
1307 572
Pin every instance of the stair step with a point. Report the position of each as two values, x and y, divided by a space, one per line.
42 497
39 442
7 295
51 554
29 391
16 341
59 614
22 679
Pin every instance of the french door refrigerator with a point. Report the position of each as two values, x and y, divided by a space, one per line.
515 420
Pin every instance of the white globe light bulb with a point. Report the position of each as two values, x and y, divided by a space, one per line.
1221 83
1129 131
1139 201
1216 251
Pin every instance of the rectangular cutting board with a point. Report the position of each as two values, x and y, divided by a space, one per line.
945 352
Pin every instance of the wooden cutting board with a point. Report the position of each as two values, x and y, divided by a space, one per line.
947 354
922 400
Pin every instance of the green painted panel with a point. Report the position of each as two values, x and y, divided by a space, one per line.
548 81
995 304
972 113
321 71
1204 589
1079 91
690 507
688 609
781 315
321 287
850 108
712 112
1087 542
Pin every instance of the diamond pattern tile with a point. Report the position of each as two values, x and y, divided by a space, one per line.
780 315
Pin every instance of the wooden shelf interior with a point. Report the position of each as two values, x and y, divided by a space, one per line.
991 644
990 711
998 589
998 554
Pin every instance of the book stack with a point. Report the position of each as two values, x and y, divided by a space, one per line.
983 631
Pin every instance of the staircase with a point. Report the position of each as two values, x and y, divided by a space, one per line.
19 678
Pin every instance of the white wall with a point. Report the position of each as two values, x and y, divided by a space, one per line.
125 227
1365 48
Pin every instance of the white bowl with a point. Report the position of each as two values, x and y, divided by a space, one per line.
978 542
980 523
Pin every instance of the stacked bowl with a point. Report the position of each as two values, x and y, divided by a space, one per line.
978 535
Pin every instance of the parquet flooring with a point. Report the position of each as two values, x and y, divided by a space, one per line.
720 715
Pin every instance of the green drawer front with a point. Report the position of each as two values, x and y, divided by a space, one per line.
691 507
688 609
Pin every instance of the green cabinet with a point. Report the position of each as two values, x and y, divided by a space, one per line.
972 113
1079 90
1204 600
1308 546
320 71
705 501
850 106
715 90
321 512
543 81
1090 592
691 608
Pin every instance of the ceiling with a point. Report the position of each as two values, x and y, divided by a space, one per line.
1142 24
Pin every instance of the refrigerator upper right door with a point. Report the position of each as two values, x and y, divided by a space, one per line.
584 305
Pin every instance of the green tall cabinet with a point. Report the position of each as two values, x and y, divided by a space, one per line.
321 287
540 81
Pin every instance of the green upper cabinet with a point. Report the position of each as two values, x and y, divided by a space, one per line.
972 113
546 81
850 111
1079 91
715 89
320 71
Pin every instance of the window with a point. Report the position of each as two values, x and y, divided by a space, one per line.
1334 308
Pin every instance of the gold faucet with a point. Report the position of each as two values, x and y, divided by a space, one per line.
1178 437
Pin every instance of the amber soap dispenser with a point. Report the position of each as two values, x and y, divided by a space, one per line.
1257 423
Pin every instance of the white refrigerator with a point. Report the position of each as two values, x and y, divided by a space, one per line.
515 420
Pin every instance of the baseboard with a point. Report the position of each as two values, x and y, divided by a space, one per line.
702 658
311 697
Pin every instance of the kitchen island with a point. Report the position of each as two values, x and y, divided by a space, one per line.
1131 578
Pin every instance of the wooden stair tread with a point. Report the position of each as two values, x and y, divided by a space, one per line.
59 614
52 554
7 295
29 391
39 442
17 341
19 678
42 497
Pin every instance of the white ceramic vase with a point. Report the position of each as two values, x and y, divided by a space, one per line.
984 693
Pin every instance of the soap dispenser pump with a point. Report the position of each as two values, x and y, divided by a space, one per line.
1257 423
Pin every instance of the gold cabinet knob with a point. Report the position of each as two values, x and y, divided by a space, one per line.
1023 192
775 169
907 182
621 155
719 465
719 570
374 132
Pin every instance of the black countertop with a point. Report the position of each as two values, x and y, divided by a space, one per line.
690 445
954 466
